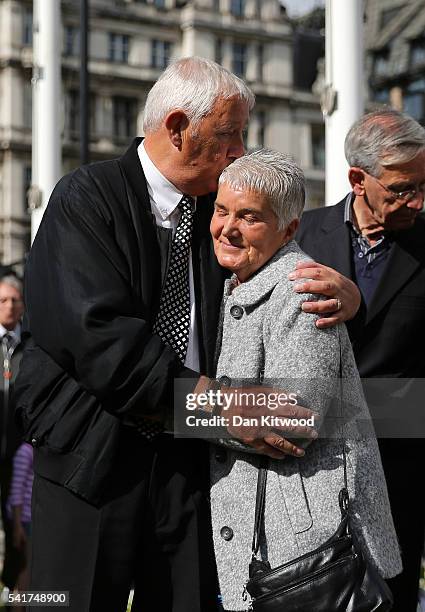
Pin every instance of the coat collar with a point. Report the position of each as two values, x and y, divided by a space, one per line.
130 162
276 269
338 234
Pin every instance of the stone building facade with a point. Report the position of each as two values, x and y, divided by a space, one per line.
130 43
395 54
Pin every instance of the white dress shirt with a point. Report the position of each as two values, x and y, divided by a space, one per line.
15 333
164 198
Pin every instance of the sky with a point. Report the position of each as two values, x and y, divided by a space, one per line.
299 7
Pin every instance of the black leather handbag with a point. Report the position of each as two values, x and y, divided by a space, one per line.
335 577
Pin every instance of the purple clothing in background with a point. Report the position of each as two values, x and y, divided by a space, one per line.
21 485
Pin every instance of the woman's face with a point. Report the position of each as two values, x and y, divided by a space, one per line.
245 231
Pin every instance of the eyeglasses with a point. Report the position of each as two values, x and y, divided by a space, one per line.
402 196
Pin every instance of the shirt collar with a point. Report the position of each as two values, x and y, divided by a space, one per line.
15 333
348 210
163 194
362 241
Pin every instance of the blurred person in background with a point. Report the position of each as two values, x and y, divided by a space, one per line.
11 311
376 236
19 511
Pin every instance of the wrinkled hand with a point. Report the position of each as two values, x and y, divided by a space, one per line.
268 439
327 281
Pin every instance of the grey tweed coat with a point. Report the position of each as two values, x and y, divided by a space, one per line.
270 334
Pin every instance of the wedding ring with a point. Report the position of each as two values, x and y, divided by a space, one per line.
338 304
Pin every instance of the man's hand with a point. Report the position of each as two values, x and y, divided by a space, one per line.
344 295
268 439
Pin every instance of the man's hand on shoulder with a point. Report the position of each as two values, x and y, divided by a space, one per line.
265 430
343 295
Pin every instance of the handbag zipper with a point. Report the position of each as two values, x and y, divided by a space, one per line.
319 549
323 570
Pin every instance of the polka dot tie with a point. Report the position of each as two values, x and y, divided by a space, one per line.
173 321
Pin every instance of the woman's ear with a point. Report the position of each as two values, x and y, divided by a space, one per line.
291 230
176 123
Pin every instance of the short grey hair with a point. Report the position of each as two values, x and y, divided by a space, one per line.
271 174
13 281
383 138
192 84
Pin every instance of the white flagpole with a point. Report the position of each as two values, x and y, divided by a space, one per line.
46 136
343 97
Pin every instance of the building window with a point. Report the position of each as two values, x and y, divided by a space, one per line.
160 53
382 95
125 117
73 114
237 7
27 28
26 185
414 100
159 4
261 128
381 63
260 62
417 53
27 105
318 145
239 58
71 41
118 47
218 50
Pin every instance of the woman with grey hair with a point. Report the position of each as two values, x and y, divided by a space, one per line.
265 336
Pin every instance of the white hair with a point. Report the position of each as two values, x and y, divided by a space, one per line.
383 138
12 281
192 84
271 174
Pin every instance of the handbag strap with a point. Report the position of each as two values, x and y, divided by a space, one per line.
259 504
260 500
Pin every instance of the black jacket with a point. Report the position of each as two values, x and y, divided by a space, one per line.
388 337
92 289
10 437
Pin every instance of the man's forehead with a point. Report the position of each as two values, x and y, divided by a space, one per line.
5 288
224 107
413 166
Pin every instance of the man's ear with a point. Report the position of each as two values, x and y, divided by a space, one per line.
176 123
356 178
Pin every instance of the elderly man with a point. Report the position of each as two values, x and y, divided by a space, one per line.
11 310
376 235
124 260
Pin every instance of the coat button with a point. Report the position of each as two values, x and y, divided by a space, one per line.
220 455
225 381
34 441
236 312
226 533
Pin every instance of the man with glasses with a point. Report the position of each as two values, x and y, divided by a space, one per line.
376 236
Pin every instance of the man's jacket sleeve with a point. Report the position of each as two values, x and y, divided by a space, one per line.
83 312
